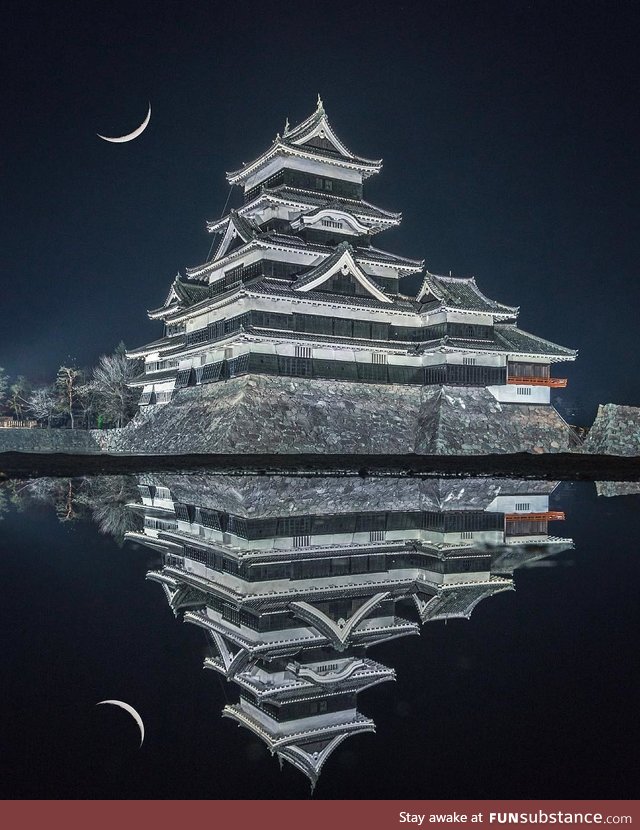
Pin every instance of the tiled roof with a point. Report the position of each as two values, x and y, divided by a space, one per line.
275 238
460 292
367 253
278 289
157 344
189 293
512 338
309 197
153 377
327 264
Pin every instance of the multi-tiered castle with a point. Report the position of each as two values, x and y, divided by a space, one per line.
298 287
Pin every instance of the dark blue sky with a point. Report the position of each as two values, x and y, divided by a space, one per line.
509 133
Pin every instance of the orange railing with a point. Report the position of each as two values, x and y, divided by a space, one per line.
554 382
549 516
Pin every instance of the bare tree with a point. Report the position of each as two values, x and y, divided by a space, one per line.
4 384
19 397
110 383
43 403
68 381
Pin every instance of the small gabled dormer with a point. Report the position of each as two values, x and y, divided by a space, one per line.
340 273
330 225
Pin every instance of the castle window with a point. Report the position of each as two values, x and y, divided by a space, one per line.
468 361
523 505
378 358
524 390
303 351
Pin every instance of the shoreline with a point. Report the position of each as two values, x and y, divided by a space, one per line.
552 466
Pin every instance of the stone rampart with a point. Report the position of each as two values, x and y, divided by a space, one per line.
263 414
49 440
615 431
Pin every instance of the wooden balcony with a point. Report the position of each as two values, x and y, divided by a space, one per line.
555 383
549 516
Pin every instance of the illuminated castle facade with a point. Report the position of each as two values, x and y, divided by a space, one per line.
296 287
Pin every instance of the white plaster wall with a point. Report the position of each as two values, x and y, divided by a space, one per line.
482 359
509 393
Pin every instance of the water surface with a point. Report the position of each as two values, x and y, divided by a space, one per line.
322 590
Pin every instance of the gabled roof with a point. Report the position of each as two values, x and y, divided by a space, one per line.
233 227
275 239
305 198
310 759
309 139
189 293
331 211
308 749
459 600
340 261
317 126
460 292
244 227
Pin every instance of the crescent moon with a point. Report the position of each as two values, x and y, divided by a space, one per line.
121 139
131 711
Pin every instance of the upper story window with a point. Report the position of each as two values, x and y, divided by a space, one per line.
331 223
323 184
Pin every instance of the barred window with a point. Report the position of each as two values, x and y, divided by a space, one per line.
238 366
210 518
301 541
195 554
373 372
294 366
523 505
468 361
210 372
182 512
523 390
378 358
198 336
303 351
183 378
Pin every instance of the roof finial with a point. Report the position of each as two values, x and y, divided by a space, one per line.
286 125
449 271
319 105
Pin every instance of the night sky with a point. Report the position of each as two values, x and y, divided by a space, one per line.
509 133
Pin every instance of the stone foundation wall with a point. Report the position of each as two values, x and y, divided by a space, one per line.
48 440
617 488
615 431
253 414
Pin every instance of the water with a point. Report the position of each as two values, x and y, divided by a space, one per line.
534 696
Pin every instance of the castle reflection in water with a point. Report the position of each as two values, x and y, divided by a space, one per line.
295 579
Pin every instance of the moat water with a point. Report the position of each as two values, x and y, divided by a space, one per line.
534 695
